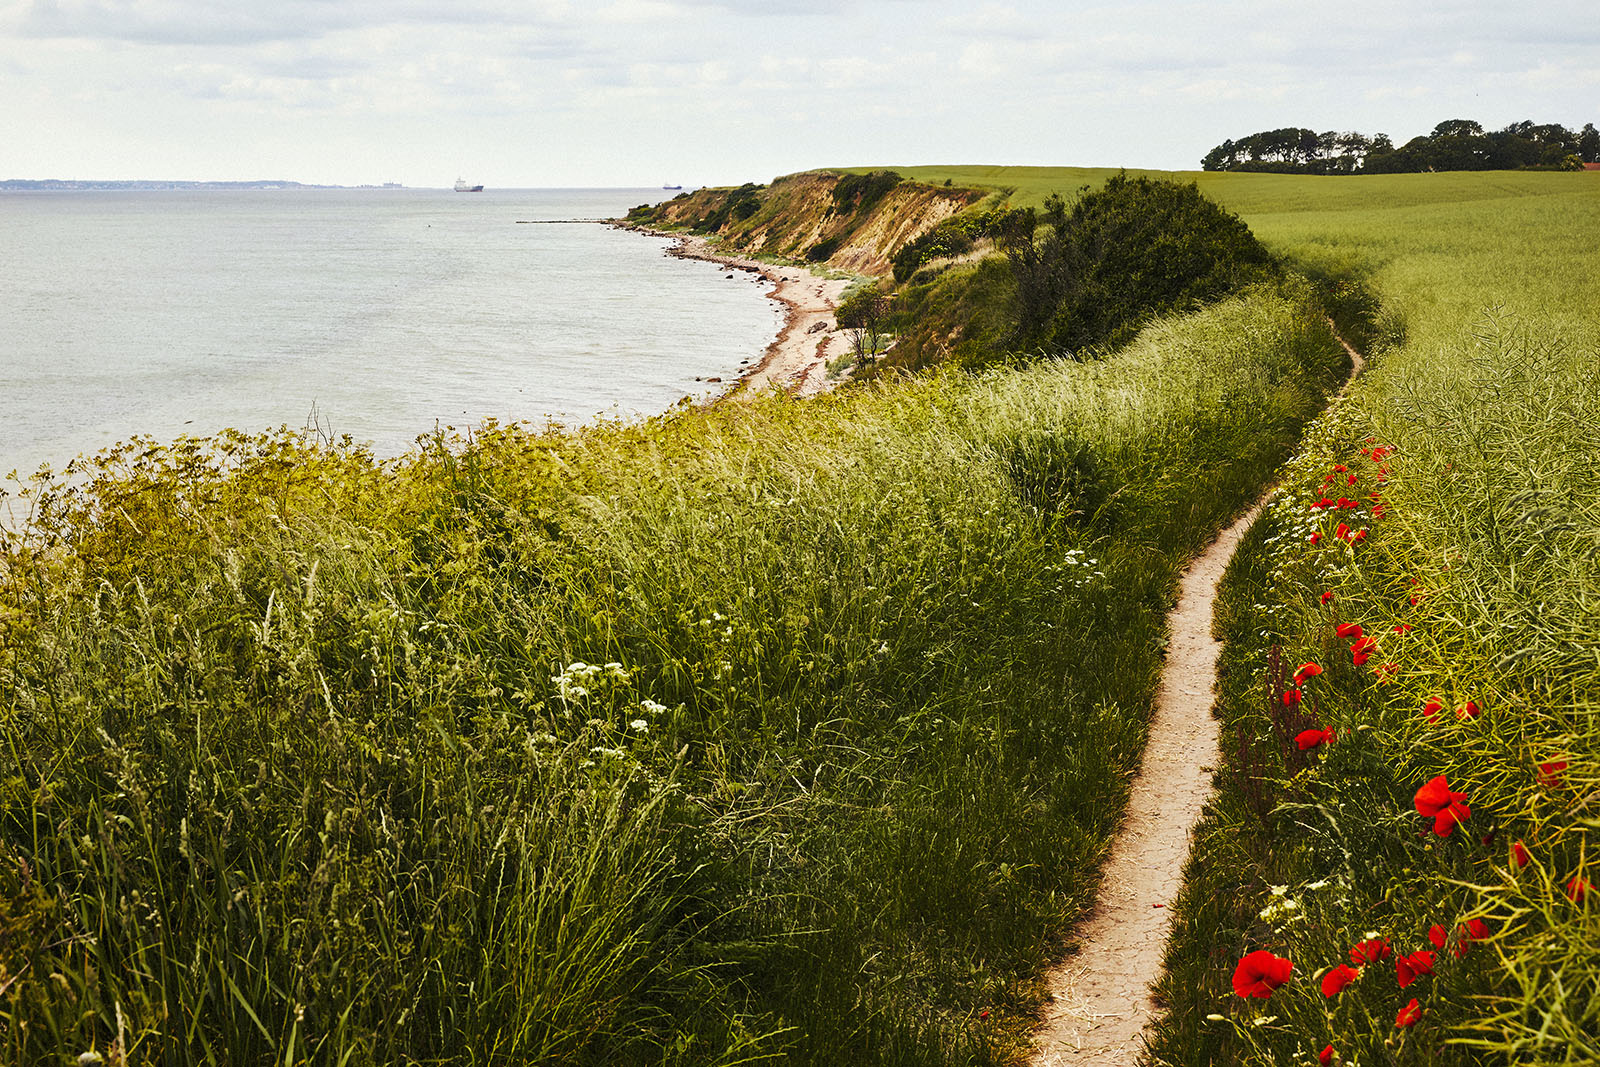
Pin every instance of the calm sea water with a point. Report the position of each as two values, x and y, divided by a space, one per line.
379 313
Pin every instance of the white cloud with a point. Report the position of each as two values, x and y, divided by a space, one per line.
736 89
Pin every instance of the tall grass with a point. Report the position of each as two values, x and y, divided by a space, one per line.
768 732
1484 558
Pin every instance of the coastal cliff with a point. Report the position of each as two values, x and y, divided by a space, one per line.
849 222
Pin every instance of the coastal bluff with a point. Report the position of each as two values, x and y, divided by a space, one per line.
845 221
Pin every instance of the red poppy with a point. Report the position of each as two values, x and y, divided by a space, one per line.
1308 739
1325 1057
1519 854
1348 629
1371 951
1402 628
1362 650
1577 889
1292 697
1413 601
1259 973
1550 774
1327 596
1438 936
1340 468
1387 672
1316 537
1307 670
1379 510
1468 932
1359 535
1344 503
1469 710
1320 504
1343 532
1328 479
1350 480
1408 1015
1431 710
1334 981
1436 801
1408 969
1380 452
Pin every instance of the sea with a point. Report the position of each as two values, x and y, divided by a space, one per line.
379 313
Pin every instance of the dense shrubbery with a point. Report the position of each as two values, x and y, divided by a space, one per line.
938 243
859 193
763 731
955 236
738 205
1121 254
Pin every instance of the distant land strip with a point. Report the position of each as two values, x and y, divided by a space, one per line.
85 183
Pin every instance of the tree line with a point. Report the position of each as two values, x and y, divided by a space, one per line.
1455 144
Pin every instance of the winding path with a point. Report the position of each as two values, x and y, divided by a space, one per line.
1100 996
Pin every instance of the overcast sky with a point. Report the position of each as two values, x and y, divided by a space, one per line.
637 92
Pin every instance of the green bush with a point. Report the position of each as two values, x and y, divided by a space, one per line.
859 193
1133 249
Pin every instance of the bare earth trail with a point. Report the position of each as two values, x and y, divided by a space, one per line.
1100 996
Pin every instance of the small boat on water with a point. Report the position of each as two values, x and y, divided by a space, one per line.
670 187
463 187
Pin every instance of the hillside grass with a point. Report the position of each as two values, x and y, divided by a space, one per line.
770 732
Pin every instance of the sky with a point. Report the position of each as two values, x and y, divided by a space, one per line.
563 93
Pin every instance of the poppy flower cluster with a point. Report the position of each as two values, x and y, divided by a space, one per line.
1334 982
1437 801
1466 933
1550 773
1371 950
1259 973
1306 740
1409 968
1306 672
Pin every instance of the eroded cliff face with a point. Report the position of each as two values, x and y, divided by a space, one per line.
853 223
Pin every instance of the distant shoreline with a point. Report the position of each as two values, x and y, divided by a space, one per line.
797 359
89 184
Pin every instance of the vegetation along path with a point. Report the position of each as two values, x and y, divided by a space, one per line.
1100 996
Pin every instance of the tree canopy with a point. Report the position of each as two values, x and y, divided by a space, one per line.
1454 144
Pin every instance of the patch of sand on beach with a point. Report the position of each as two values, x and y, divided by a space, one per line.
797 361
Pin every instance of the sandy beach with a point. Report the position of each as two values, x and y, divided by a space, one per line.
796 361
